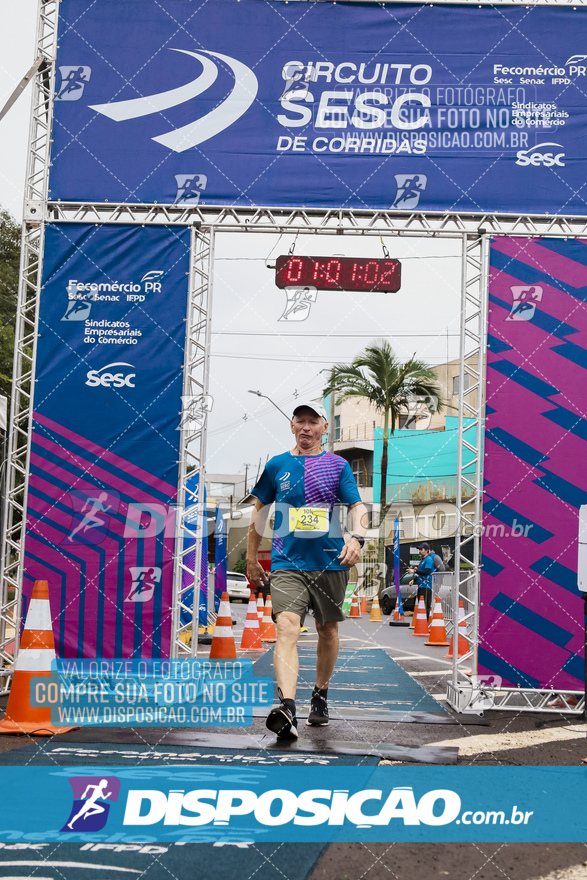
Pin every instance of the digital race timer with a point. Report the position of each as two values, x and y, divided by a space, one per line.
338 273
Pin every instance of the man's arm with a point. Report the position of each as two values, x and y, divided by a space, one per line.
255 571
351 552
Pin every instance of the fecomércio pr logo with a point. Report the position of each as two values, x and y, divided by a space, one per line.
92 798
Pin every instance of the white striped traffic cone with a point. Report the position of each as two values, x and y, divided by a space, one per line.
463 643
251 640
36 652
223 646
437 627
268 633
260 607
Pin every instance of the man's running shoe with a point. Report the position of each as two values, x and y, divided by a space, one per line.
318 716
303 630
281 721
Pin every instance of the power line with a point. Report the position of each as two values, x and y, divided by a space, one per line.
299 360
346 335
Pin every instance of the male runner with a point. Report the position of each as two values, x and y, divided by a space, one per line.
310 561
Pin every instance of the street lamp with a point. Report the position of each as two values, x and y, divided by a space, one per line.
259 394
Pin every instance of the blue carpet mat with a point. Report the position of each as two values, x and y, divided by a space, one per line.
154 861
363 679
71 753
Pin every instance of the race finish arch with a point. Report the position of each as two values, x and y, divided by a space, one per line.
173 120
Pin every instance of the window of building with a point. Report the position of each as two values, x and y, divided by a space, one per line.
337 427
359 471
455 383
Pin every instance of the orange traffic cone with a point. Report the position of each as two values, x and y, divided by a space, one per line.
463 634
260 607
355 610
375 610
437 627
421 625
37 650
223 647
251 640
398 618
268 633
364 609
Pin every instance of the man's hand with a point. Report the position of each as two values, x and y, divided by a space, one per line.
351 553
257 574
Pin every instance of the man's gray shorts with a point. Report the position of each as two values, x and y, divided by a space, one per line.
324 591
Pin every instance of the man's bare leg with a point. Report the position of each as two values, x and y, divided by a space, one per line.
282 718
327 652
285 658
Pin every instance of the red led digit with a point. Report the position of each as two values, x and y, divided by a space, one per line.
333 277
371 266
294 273
354 272
388 273
316 270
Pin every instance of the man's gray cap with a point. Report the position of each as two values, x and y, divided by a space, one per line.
310 404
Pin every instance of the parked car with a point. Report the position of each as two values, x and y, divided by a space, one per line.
388 596
237 586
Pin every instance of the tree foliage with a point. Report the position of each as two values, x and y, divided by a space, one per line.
379 376
9 266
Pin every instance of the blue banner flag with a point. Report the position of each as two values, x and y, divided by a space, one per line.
220 560
396 574
405 107
102 489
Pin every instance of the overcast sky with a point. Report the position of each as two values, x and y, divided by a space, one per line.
252 348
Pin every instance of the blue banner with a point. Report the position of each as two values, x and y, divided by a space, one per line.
396 574
222 803
399 107
105 445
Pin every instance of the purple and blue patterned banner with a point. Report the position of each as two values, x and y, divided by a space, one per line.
531 617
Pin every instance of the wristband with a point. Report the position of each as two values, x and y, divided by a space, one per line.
360 539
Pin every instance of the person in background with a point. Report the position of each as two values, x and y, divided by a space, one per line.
423 575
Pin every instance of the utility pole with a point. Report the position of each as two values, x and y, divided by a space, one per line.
331 420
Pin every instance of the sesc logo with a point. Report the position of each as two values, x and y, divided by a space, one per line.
97 378
533 157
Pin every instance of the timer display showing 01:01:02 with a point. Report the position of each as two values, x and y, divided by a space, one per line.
338 273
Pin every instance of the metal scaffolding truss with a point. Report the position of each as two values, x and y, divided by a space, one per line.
196 404
315 221
462 694
24 348
525 3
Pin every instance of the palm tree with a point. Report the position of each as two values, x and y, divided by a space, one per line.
378 375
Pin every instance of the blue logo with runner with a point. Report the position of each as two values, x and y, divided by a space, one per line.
74 79
409 189
189 188
90 802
